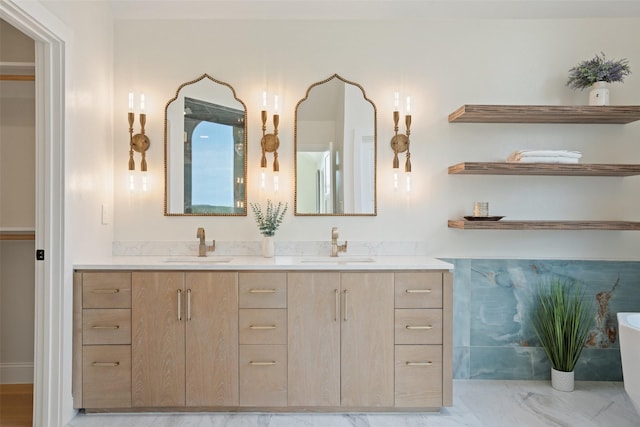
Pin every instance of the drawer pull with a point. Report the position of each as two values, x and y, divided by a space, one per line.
418 291
259 327
105 364
262 291
105 291
419 363
419 327
335 317
188 304
179 305
268 363
105 327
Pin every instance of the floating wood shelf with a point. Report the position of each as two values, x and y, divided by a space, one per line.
554 169
610 114
544 225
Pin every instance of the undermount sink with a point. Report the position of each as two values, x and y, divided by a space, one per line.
198 260
336 260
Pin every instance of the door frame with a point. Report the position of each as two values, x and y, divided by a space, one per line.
51 37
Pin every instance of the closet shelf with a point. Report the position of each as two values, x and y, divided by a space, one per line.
610 114
544 225
25 235
552 169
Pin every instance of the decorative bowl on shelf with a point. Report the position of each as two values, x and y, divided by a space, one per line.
483 218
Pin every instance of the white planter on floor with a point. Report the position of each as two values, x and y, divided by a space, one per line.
561 380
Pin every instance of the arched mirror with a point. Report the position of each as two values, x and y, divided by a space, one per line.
335 150
205 145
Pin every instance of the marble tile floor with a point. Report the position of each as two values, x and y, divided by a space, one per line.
477 403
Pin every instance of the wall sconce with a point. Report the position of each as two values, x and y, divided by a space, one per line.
400 142
138 142
270 141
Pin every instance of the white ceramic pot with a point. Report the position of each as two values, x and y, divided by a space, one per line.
268 247
599 94
561 380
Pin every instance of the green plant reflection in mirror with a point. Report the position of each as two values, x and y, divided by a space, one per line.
205 150
335 150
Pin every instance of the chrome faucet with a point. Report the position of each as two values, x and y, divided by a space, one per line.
202 247
335 247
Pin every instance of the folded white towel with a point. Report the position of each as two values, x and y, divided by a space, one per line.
549 153
544 159
521 154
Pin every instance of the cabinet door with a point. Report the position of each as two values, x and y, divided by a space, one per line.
157 345
367 358
211 316
314 339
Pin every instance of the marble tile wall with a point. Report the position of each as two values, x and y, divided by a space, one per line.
493 338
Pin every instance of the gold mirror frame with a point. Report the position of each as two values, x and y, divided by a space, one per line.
243 209
375 154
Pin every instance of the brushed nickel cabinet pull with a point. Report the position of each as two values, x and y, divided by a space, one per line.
419 327
418 291
105 364
346 305
262 327
105 291
268 363
105 327
335 318
188 304
419 363
262 291
179 305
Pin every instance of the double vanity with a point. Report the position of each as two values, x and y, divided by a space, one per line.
245 333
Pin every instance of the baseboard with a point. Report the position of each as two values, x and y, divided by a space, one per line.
16 373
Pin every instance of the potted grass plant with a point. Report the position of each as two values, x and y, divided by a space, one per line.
561 318
596 73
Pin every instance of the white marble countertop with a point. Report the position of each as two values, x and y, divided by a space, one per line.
231 262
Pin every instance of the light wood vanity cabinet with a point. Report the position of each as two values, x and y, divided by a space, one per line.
349 340
423 339
102 340
184 339
263 339
287 340
341 339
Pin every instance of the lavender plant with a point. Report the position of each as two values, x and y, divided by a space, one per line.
269 221
598 69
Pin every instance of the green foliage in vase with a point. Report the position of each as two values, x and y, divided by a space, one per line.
268 221
561 318
598 69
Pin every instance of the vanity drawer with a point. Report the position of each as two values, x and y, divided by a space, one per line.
106 290
263 326
418 326
262 290
106 326
263 375
418 379
418 290
106 376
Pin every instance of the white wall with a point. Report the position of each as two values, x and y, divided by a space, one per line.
442 65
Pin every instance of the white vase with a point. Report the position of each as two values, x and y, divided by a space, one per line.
268 247
599 94
561 380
